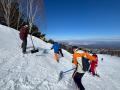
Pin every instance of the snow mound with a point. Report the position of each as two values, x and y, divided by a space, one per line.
39 71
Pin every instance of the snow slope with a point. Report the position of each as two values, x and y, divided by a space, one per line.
40 71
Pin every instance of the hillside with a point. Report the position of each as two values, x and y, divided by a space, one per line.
39 71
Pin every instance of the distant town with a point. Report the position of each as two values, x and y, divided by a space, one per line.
110 48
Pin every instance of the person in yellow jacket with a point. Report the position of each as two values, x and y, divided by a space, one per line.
77 61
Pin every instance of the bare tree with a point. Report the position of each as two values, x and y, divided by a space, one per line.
31 12
9 10
42 15
6 4
33 9
20 14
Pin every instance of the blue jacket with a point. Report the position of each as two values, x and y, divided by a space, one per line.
56 47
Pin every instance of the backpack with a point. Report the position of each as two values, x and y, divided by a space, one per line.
85 64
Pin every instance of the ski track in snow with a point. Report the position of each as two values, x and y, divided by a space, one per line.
39 71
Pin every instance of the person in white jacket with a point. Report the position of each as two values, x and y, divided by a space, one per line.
79 72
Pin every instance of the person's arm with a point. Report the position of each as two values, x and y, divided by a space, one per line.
74 59
52 47
90 57
74 73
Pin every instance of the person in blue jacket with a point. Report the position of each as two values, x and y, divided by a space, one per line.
57 48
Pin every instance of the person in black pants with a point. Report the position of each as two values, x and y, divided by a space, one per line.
77 61
78 73
23 36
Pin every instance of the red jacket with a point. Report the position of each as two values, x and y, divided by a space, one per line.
94 63
23 33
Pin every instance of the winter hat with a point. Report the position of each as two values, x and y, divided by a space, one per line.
26 25
74 47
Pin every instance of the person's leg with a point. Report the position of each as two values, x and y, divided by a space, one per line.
78 79
93 69
24 45
56 57
80 82
60 50
90 69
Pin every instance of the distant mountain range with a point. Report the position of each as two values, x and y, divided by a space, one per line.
93 43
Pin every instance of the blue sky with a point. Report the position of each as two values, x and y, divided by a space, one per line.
82 19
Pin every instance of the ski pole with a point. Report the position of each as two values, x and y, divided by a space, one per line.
69 70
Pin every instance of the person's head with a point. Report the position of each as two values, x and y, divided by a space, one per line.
80 49
85 50
55 43
94 54
74 48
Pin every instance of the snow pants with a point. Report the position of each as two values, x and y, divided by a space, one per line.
78 80
56 56
93 68
24 45
60 52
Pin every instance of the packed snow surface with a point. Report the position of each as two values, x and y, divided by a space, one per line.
39 71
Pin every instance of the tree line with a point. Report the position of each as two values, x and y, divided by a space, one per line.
15 13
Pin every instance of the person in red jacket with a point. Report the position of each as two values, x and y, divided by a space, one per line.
94 64
23 36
